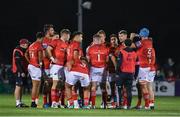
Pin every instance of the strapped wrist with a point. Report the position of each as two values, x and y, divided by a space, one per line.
52 58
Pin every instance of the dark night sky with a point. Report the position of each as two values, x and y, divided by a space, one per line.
23 18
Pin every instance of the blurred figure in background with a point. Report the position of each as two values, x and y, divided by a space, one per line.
169 66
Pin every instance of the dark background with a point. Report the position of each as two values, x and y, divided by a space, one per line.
23 18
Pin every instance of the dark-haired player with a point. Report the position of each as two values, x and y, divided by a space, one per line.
111 69
34 57
71 92
49 35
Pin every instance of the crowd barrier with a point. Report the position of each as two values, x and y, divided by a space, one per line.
161 88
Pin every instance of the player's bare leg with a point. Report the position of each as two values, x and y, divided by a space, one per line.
138 105
58 94
93 93
151 94
68 91
17 94
45 93
75 97
54 94
86 96
145 93
35 91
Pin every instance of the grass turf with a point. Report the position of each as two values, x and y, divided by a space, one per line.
165 106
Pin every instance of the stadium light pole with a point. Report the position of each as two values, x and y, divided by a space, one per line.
81 5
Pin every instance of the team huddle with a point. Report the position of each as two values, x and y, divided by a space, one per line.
66 73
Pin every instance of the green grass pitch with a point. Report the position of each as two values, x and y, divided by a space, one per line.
165 106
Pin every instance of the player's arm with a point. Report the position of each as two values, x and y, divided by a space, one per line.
87 50
119 61
113 59
75 56
133 45
136 42
107 54
40 57
69 64
27 55
84 61
49 52
87 56
132 35
154 57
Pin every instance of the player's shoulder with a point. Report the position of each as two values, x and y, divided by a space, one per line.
122 51
76 44
64 43
56 41
73 44
35 44
92 47
105 47
46 40
147 42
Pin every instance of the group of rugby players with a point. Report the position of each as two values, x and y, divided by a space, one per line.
57 62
